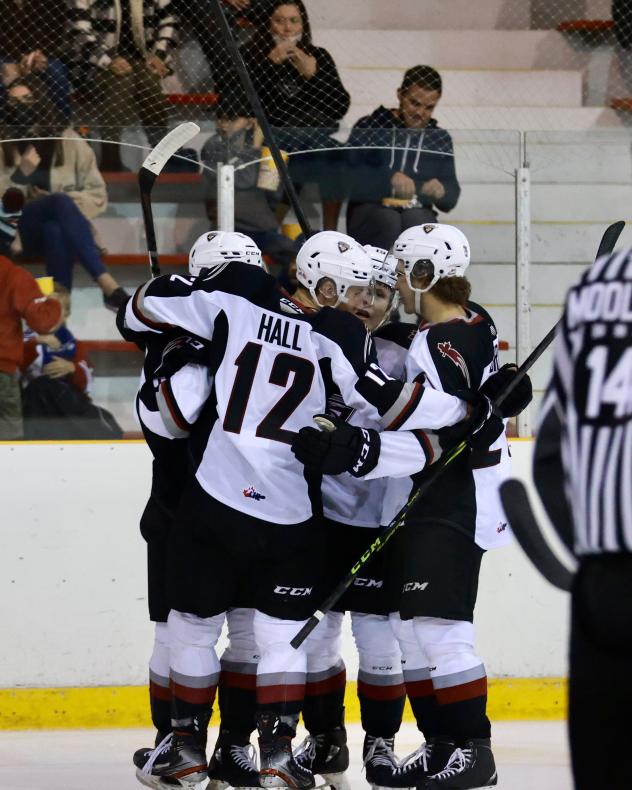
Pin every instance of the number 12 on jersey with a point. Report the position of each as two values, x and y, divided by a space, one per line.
271 426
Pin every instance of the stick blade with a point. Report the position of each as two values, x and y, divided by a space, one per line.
610 238
525 527
167 147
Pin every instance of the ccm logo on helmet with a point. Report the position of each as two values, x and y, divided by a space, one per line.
297 592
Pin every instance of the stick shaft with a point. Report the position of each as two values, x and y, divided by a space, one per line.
431 473
262 118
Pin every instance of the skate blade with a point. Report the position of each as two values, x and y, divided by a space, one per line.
220 784
157 783
337 781
270 777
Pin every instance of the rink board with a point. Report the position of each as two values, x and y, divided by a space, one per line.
74 610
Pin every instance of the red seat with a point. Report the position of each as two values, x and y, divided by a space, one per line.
586 26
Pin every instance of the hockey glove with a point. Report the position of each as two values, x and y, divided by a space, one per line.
344 449
481 428
181 351
517 400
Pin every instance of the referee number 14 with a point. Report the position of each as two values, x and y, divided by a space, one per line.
612 388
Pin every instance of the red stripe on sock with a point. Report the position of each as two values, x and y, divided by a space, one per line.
267 695
475 688
159 692
195 696
327 686
381 693
420 688
236 680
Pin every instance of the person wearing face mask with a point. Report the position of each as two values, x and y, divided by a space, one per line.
61 190
401 164
303 97
238 141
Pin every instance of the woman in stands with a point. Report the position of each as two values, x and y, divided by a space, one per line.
303 96
51 190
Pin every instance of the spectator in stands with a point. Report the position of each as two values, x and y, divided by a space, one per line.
20 299
303 96
124 58
196 16
61 189
56 386
31 41
403 170
238 141
622 18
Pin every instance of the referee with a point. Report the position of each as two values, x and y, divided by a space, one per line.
584 449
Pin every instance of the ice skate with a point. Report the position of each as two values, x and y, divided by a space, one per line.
384 771
233 765
327 755
469 768
177 761
278 766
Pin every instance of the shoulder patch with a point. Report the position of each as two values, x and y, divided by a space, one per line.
446 349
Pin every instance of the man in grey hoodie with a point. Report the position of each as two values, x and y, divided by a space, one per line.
402 164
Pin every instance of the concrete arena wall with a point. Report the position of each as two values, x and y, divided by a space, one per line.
72 570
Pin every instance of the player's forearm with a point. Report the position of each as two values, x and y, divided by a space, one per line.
419 407
402 453
169 301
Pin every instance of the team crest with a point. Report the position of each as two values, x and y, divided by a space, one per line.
428 228
343 246
210 236
446 350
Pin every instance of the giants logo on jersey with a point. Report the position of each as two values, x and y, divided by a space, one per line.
252 493
446 350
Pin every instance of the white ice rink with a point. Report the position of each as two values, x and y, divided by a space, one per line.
530 756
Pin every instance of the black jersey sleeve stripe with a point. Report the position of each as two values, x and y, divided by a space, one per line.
408 400
142 313
170 412
426 445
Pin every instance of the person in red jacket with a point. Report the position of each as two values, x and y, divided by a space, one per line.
20 299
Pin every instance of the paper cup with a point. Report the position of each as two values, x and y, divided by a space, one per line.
46 285
269 178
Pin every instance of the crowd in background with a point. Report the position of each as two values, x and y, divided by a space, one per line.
67 63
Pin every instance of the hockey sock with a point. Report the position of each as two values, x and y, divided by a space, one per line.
281 671
238 679
159 690
423 702
458 677
194 671
380 682
323 706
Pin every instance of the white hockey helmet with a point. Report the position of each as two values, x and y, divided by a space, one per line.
218 248
339 258
435 250
384 265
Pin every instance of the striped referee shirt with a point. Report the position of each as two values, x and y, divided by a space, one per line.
586 416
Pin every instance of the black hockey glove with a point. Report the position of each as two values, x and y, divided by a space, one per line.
181 351
517 400
481 427
344 449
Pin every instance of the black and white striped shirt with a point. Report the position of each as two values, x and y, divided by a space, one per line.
95 29
587 411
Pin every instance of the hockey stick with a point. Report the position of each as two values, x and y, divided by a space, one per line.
434 471
525 527
147 175
262 118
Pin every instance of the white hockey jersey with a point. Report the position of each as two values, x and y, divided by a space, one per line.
276 367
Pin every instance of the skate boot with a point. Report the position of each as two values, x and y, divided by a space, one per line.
278 766
142 755
469 768
233 765
177 761
384 771
327 755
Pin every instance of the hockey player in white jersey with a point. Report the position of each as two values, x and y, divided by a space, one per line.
175 384
352 508
440 549
236 523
